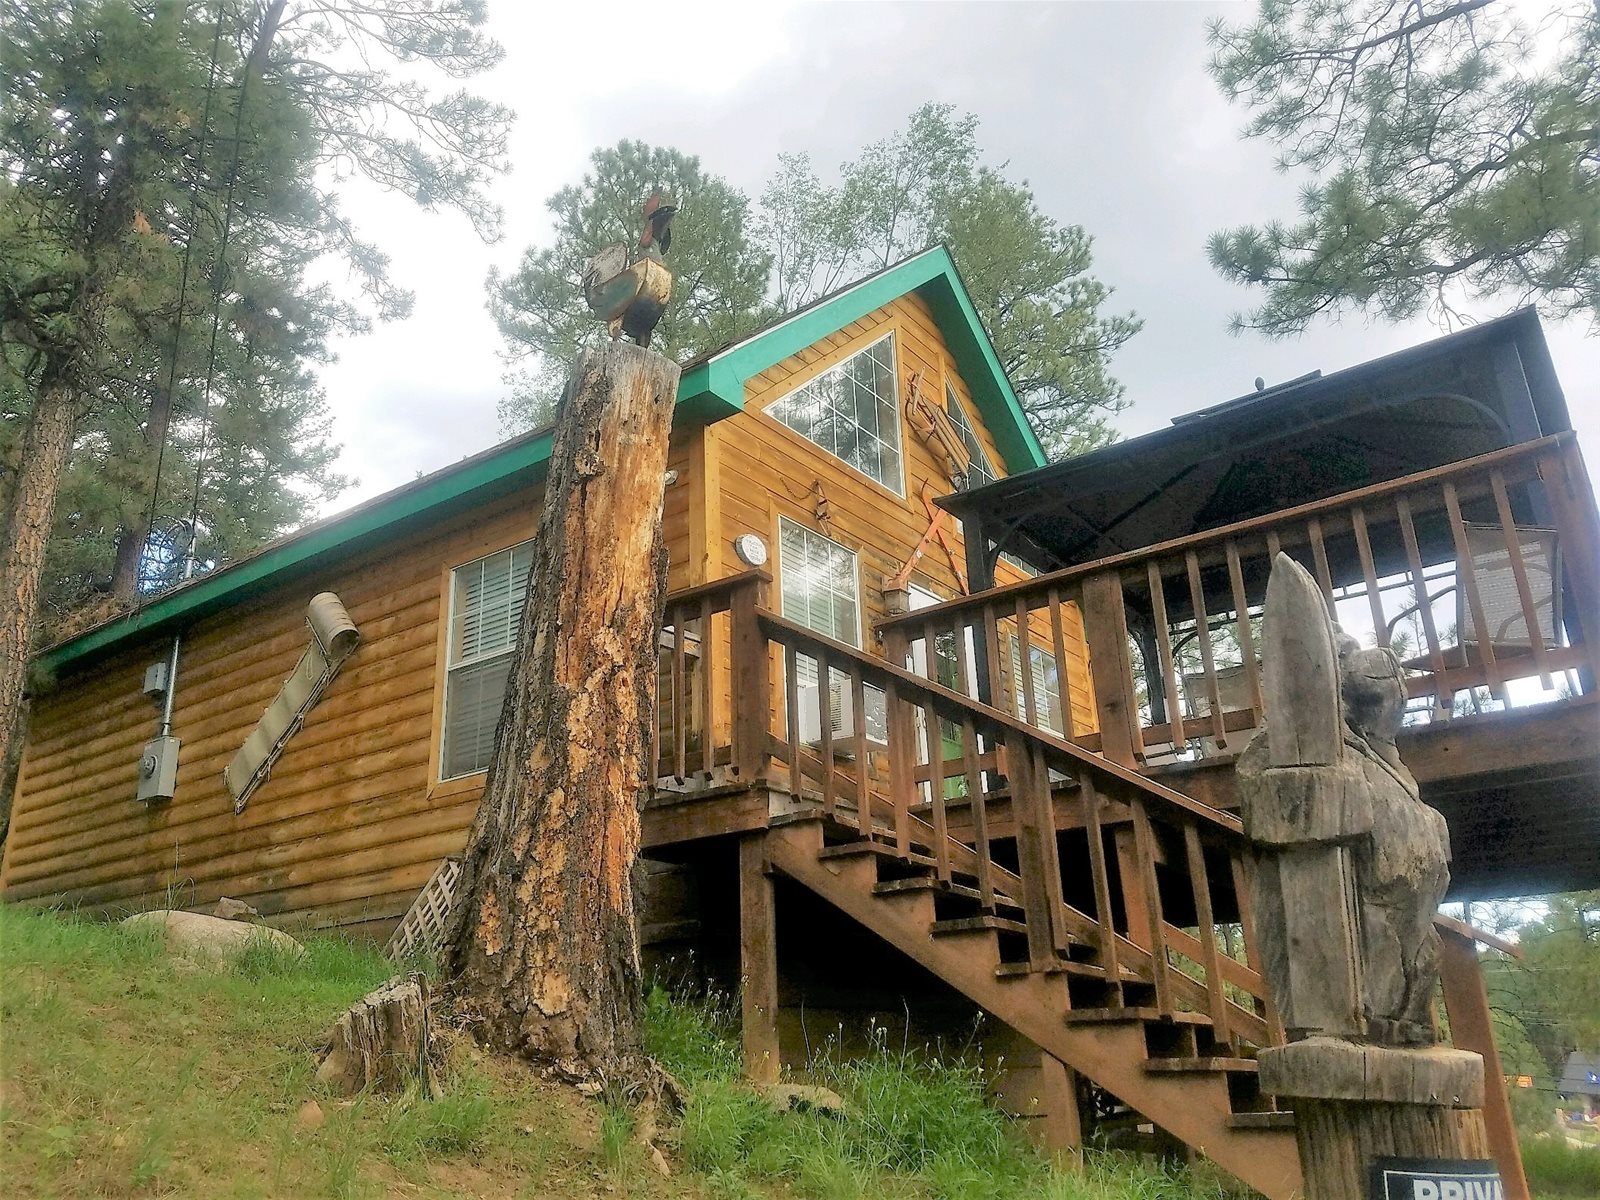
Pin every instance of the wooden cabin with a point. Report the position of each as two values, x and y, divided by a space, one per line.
899 770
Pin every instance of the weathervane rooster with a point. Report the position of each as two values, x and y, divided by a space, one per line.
631 296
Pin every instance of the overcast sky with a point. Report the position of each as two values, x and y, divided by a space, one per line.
1105 108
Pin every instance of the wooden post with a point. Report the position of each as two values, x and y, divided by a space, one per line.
542 946
1466 1000
751 693
1062 1134
758 962
1105 629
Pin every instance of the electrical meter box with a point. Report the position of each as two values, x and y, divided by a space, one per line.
158 769
155 680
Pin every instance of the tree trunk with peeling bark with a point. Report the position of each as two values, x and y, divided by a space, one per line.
45 450
542 947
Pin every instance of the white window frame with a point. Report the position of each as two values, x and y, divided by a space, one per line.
968 429
898 484
855 575
451 666
1041 698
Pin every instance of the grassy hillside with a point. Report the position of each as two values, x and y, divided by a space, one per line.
124 1074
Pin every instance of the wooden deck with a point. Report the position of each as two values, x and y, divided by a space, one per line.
1105 856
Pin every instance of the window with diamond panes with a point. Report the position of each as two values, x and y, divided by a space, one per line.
486 602
980 470
851 411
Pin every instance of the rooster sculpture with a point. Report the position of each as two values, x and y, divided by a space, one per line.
631 296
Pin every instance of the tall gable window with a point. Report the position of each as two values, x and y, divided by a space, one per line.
851 411
980 471
486 602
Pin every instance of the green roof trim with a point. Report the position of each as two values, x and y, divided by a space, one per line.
710 389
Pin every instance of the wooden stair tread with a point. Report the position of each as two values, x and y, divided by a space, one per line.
1175 1066
1262 1120
1086 1016
881 849
932 883
976 924
1061 966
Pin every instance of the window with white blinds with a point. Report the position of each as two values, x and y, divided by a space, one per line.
486 602
851 411
980 470
820 587
1046 686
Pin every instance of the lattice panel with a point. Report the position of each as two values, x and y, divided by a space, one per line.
422 928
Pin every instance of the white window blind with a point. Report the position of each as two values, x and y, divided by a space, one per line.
820 588
1046 686
486 602
851 411
980 471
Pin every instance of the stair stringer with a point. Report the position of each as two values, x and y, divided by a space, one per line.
1192 1107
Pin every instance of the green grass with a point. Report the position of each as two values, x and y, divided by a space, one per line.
916 1126
1555 1168
123 1074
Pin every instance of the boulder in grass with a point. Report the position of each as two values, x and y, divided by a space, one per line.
204 939
800 1097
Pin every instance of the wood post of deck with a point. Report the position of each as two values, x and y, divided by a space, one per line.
758 961
1466 1001
1062 1134
751 692
1105 628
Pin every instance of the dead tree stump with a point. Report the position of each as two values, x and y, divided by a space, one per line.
381 1042
541 946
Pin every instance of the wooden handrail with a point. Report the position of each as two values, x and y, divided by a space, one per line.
954 705
726 585
1194 541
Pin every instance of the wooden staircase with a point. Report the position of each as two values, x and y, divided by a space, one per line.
1170 1064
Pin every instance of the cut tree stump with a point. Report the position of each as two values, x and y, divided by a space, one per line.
382 1042
541 946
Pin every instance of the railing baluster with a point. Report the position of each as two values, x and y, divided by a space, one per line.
680 702
1408 533
1319 557
940 817
825 730
708 684
978 802
1519 572
791 687
1034 860
1024 668
1274 546
1145 856
1110 959
1467 578
858 705
1176 734
1369 572
1246 635
902 735
1202 626
1211 958
1252 949
1069 726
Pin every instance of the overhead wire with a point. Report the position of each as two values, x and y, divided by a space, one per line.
183 287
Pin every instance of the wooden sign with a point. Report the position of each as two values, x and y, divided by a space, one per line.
1434 1179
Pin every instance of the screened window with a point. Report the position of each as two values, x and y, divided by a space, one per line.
486 602
980 471
851 411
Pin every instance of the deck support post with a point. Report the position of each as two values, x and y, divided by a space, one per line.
1466 1001
758 961
1062 1134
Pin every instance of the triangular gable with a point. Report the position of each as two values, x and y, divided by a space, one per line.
714 386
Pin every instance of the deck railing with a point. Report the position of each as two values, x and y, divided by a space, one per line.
1481 574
